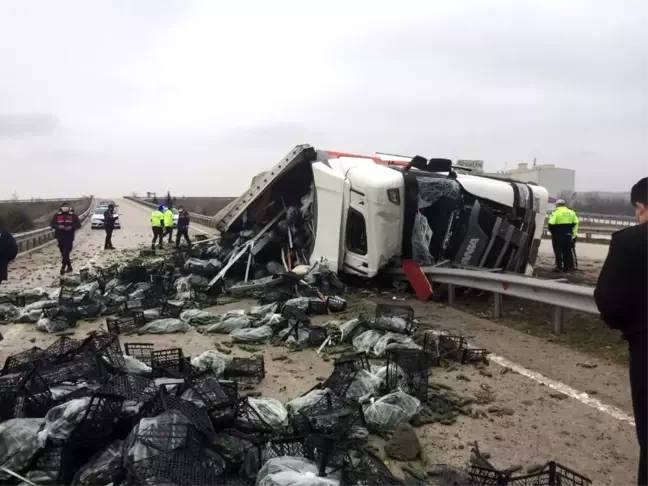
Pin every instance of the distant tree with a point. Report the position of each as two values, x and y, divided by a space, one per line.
593 203
133 194
14 196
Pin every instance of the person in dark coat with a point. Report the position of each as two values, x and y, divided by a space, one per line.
183 227
622 299
109 226
65 223
8 251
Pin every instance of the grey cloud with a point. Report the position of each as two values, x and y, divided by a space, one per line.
27 125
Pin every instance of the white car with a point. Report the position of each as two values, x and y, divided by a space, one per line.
97 219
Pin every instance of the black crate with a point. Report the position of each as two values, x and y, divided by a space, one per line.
100 419
67 297
59 461
295 315
345 369
62 350
168 362
198 417
331 415
78 393
472 355
246 370
105 345
139 351
451 347
404 312
316 336
408 370
24 360
249 421
19 301
219 398
125 325
171 309
135 305
69 314
162 283
24 395
88 368
131 387
176 467
431 347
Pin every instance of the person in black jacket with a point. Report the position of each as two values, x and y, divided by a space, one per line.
8 251
621 296
65 223
109 226
183 227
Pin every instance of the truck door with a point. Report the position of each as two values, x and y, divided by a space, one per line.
329 213
357 246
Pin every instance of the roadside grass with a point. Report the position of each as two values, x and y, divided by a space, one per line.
27 215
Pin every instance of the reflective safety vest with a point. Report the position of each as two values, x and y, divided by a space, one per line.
156 218
65 221
168 218
563 221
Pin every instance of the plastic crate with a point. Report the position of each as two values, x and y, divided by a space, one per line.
246 370
177 467
295 315
345 369
62 350
198 417
24 395
135 305
451 347
368 470
248 420
105 345
168 362
275 295
162 283
88 368
219 398
472 355
316 336
24 360
404 312
331 415
125 325
139 351
131 387
70 314
58 461
73 395
171 309
100 419
408 370
67 297
321 449
430 345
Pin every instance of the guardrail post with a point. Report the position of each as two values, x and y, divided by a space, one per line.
451 294
559 320
497 309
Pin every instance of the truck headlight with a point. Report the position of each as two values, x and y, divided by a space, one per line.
394 196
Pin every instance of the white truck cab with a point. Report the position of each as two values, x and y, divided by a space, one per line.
373 211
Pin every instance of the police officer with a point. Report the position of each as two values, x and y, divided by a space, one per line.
157 218
65 223
183 227
620 296
109 226
8 251
168 223
562 223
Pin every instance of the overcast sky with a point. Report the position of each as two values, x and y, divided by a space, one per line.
196 96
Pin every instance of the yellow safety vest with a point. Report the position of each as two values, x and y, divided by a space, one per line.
168 218
156 218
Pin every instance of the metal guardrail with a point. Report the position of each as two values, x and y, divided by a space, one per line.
37 200
201 219
551 292
30 240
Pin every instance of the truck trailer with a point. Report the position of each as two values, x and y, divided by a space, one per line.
371 213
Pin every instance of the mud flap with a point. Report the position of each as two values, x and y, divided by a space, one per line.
418 280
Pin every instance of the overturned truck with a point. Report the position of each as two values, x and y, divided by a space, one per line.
368 214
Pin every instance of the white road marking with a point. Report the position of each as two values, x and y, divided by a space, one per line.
582 397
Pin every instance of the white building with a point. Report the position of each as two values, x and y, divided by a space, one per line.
555 179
